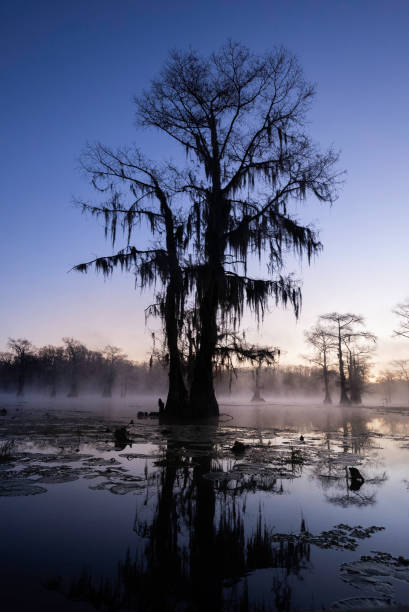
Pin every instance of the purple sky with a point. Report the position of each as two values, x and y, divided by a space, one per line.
68 74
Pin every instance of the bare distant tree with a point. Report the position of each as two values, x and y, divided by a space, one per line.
323 343
402 370
112 355
75 353
22 350
51 358
402 311
386 380
343 328
6 369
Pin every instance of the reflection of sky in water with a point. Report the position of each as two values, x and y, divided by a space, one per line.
72 527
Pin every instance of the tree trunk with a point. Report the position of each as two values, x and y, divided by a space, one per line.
257 388
203 400
20 384
124 388
355 386
177 405
202 396
177 401
357 399
327 398
73 392
53 391
109 383
344 399
355 382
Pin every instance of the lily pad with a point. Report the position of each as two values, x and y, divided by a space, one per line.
17 488
361 603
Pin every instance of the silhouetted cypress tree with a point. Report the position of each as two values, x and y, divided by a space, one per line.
239 118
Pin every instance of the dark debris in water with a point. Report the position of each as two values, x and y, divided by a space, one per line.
238 448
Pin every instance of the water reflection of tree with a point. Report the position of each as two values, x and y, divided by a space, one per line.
352 498
355 432
341 449
195 552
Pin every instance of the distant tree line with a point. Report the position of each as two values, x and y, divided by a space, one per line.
340 358
72 369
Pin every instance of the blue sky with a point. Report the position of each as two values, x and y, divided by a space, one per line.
68 74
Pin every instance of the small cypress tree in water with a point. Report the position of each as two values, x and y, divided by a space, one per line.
239 118
346 332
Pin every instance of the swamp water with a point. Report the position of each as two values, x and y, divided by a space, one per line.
175 520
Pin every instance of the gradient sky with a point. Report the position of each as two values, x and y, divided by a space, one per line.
69 70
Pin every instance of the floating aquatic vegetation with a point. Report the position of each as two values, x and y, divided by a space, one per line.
19 487
376 571
58 478
131 456
238 482
362 603
51 475
182 478
352 499
120 483
340 537
55 457
101 461
118 488
6 450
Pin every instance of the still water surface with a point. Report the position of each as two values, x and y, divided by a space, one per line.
175 520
